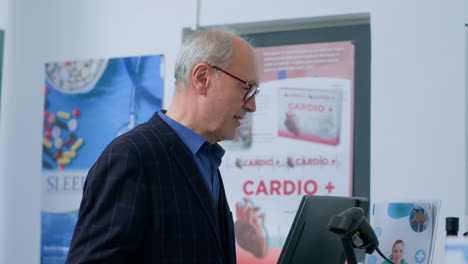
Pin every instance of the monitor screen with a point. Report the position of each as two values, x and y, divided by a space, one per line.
309 239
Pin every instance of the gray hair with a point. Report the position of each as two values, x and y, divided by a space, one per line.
213 47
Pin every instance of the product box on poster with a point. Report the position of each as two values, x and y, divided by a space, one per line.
310 114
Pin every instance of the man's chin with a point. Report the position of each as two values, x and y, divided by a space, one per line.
229 137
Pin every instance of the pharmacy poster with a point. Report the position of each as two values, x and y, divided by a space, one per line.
87 104
298 142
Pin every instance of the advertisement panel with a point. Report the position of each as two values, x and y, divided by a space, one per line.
298 142
87 104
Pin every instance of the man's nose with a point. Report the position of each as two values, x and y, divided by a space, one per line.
251 105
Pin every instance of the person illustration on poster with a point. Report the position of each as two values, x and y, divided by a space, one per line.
398 250
418 219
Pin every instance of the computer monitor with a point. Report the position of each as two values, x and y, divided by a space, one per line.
309 239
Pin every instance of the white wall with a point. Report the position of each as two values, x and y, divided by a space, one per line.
417 135
4 15
4 22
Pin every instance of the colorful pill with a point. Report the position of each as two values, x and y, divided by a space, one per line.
70 139
58 142
76 112
72 124
63 115
56 132
69 154
57 155
47 126
48 134
46 143
51 118
61 124
61 167
77 144
63 160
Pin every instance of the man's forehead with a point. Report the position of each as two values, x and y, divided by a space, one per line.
245 61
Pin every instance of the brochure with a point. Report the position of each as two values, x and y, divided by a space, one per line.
406 231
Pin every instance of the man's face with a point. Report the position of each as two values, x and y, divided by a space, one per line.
227 105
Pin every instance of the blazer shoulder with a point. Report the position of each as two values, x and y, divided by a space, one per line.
150 136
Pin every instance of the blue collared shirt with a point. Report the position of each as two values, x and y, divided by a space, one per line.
207 156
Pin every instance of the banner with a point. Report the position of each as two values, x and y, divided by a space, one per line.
298 142
87 104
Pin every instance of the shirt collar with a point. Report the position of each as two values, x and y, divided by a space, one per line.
192 140
214 149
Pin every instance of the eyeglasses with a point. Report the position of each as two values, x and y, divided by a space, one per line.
253 89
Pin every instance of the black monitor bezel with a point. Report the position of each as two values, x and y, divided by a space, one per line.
329 206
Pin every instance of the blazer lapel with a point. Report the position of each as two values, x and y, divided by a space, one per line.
193 177
184 159
227 224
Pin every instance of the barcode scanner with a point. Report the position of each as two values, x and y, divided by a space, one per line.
355 232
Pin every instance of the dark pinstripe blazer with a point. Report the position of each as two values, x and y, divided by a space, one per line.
145 201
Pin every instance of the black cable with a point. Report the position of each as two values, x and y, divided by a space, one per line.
382 255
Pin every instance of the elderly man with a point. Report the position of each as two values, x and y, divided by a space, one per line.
155 194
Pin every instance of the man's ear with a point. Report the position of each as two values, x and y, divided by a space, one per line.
201 78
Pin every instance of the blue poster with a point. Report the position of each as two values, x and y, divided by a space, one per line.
87 104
